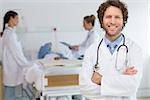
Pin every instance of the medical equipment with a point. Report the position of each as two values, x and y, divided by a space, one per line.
96 67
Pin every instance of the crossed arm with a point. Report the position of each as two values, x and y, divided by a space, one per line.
96 78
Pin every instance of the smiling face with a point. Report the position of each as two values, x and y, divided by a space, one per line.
113 22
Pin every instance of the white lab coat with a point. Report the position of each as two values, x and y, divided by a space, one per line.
13 58
0 48
114 85
91 37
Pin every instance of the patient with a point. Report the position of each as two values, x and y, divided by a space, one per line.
46 52
45 49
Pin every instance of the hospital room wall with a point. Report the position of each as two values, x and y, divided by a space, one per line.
38 18
137 30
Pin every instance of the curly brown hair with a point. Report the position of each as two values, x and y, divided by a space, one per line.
115 3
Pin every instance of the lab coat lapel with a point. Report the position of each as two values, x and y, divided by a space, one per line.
104 50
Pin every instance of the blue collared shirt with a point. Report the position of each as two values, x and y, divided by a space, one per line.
113 45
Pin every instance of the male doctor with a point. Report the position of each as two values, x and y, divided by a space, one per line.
112 67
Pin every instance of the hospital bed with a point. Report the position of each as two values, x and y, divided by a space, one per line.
60 78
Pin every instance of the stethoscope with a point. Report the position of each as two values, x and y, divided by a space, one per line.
96 68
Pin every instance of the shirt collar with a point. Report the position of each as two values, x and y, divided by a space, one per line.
91 31
116 42
10 28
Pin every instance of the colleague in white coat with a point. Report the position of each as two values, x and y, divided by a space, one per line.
13 59
112 67
88 24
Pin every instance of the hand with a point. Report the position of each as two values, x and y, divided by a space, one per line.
75 47
130 71
57 58
96 78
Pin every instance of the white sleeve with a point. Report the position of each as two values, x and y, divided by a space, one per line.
97 37
16 50
83 44
124 85
88 42
87 87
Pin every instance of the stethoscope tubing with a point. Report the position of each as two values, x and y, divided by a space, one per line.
95 68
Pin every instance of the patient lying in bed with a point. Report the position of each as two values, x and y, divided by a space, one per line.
35 74
65 53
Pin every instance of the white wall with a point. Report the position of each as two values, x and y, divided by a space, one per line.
1 15
137 30
39 17
43 16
